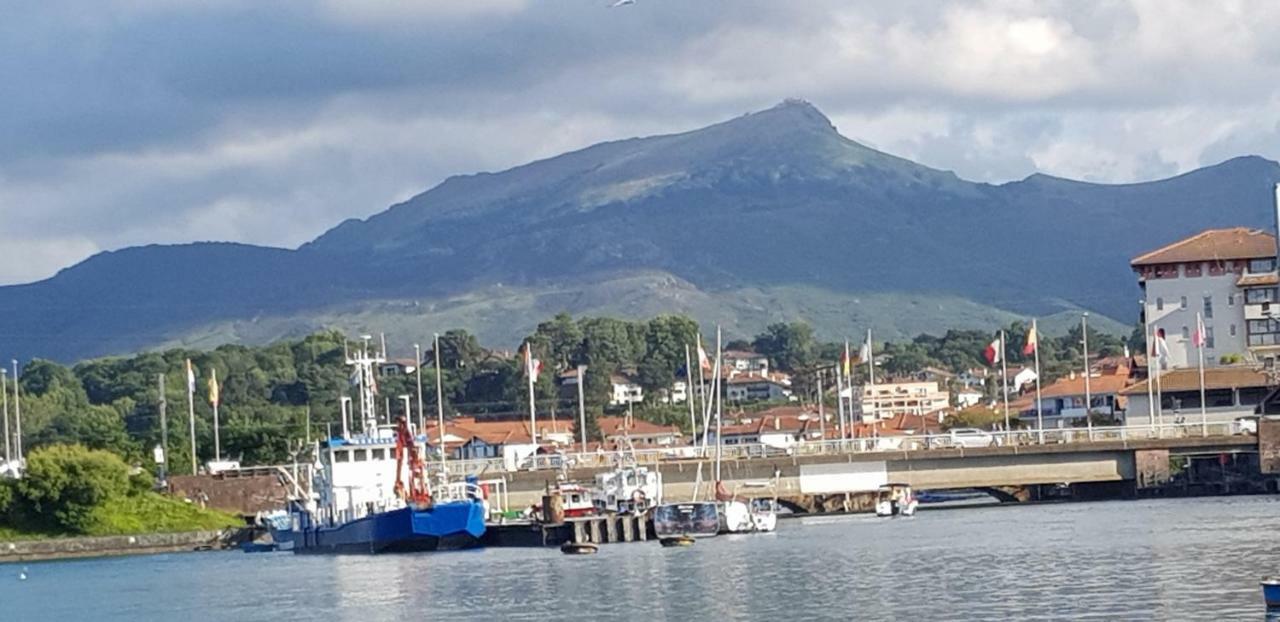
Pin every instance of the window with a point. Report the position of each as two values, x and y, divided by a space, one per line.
1233 330
1184 302
362 455
1208 307
1262 265
379 454
1208 337
1193 269
1159 304
1186 334
341 455
1260 294
1231 300
1264 332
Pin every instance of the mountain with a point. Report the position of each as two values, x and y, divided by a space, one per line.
769 216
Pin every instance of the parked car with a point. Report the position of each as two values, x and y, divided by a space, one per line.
971 437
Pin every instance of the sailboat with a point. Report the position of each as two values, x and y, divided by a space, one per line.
680 523
736 516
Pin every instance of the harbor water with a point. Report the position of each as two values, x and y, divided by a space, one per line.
1186 559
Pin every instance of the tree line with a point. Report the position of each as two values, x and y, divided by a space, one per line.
273 396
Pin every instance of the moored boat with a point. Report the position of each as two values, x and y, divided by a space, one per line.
372 493
895 500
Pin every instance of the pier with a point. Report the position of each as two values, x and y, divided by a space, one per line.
603 529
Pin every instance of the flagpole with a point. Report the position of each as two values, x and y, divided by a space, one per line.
1004 373
217 442
191 415
528 370
417 368
822 417
1039 405
688 394
846 368
1204 413
702 395
839 398
4 395
871 381
1088 396
582 405
1151 382
17 413
439 401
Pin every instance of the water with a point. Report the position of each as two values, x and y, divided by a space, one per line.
1144 560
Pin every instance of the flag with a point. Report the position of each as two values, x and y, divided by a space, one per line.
213 387
992 353
191 378
1197 338
704 361
531 365
1159 347
845 363
864 352
1032 342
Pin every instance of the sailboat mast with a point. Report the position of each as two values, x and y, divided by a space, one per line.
719 406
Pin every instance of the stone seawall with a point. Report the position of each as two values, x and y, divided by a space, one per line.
68 548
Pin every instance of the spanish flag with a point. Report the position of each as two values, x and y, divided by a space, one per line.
1030 347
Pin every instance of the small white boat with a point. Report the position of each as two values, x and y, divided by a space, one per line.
895 500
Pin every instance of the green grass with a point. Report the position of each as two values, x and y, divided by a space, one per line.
137 514
153 513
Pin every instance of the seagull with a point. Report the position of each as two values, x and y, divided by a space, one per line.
621 3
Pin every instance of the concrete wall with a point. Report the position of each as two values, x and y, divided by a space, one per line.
65 548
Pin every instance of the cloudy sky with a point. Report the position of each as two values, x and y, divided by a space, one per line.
127 122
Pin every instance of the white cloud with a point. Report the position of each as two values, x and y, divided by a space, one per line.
135 144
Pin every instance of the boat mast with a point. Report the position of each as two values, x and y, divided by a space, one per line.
719 406
439 406
364 363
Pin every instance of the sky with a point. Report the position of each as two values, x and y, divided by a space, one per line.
129 122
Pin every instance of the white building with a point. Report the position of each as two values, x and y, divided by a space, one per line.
1228 276
624 391
750 362
966 398
888 399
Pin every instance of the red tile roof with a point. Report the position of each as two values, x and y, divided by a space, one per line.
1233 243
611 426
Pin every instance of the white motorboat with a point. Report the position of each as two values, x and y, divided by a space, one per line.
895 500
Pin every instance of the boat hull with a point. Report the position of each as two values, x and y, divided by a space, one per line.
446 526
699 520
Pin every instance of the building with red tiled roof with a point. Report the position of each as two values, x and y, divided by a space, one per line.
1064 399
1227 277
619 431
780 427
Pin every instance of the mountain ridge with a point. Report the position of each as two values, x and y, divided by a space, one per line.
772 201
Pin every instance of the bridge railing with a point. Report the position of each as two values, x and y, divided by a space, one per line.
875 444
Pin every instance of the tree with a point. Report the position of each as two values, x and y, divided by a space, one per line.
63 484
790 347
562 339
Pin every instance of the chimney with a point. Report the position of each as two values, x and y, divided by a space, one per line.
777 423
1073 374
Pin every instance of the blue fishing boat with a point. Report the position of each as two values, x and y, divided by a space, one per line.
371 492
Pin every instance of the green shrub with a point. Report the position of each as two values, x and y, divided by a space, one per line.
64 483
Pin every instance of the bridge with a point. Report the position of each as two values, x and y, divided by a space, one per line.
837 475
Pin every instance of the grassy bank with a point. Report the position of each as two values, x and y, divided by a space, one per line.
135 514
